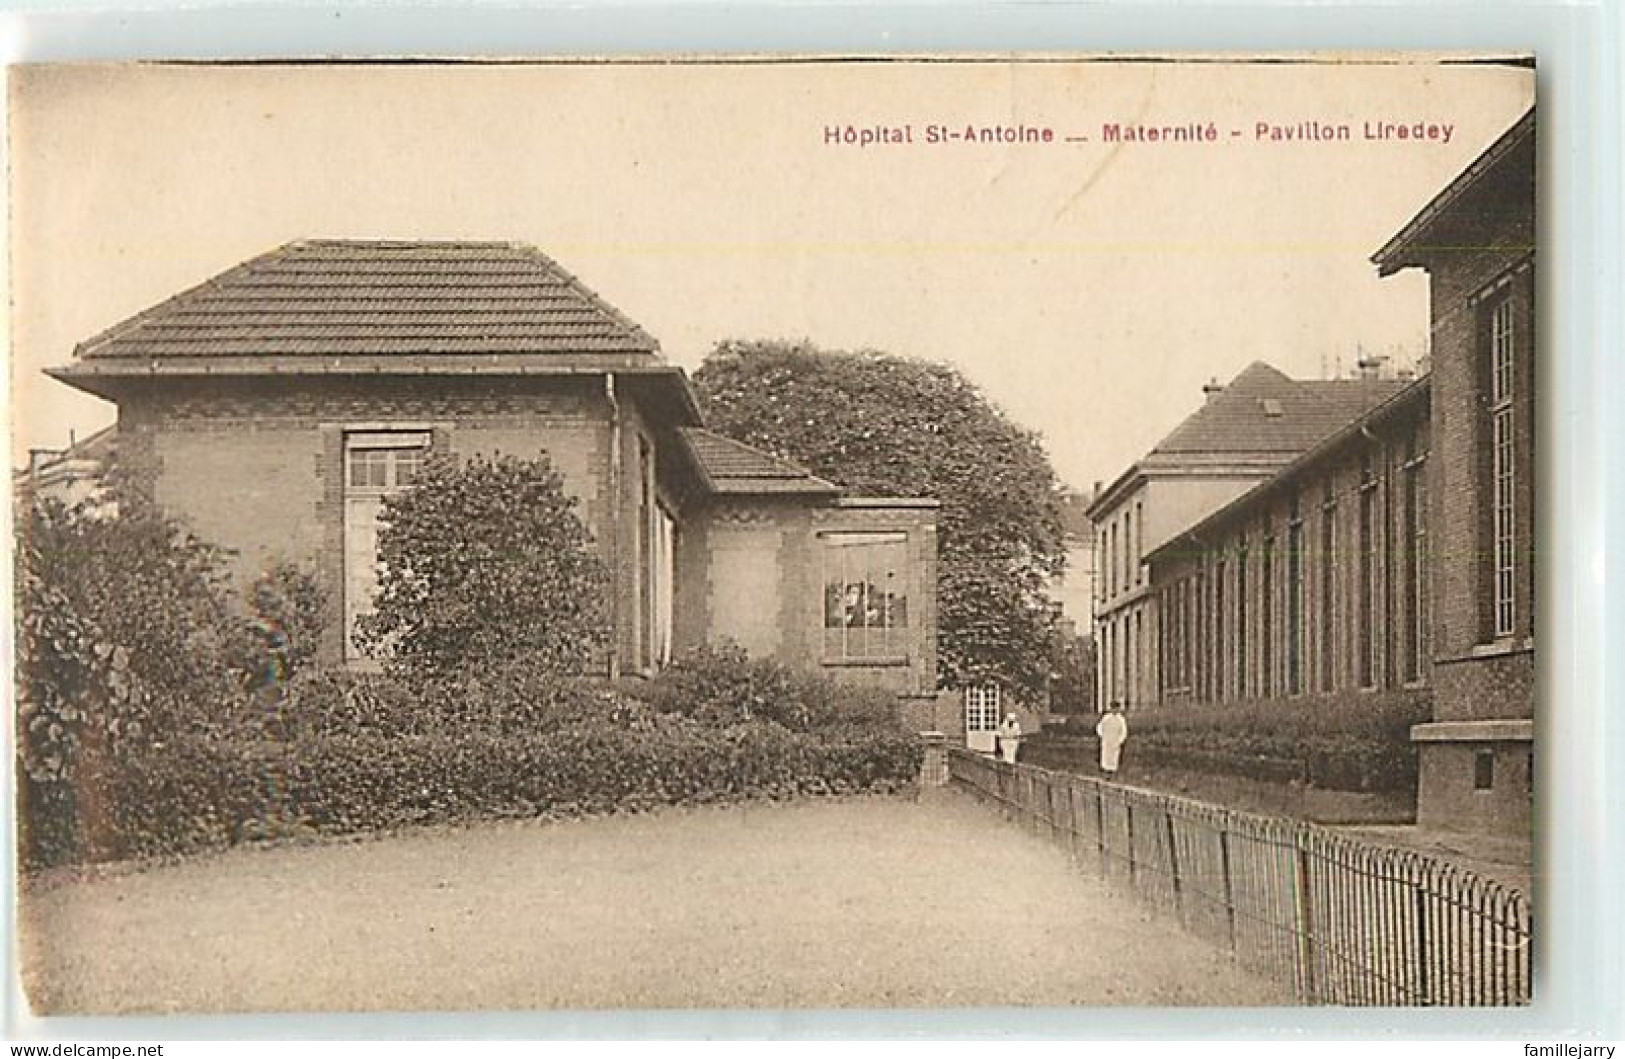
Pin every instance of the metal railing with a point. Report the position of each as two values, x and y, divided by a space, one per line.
1339 920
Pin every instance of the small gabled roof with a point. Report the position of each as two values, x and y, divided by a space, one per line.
336 298
733 467
1262 410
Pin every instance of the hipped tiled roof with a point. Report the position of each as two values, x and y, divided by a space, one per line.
731 466
1410 395
1262 411
328 299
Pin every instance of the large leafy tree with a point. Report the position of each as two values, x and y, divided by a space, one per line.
484 564
889 425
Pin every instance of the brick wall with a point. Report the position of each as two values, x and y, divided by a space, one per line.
750 570
1491 686
1237 643
1479 252
257 467
1464 584
1479 674
1449 796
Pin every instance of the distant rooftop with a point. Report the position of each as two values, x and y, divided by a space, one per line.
1255 424
1264 411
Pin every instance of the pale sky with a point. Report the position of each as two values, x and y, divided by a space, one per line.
1089 288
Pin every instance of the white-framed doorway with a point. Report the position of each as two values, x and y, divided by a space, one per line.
981 717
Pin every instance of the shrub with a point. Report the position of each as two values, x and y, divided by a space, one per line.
723 685
1342 742
156 718
341 752
287 615
193 793
127 631
483 563
135 606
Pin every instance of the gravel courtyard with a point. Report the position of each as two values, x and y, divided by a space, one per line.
860 903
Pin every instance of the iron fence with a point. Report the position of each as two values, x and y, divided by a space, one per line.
1339 920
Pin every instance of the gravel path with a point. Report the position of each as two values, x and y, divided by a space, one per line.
861 903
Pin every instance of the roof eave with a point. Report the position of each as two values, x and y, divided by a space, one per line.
1400 252
735 487
1112 493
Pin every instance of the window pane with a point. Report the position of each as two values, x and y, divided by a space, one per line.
407 464
865 595
833 612
854 604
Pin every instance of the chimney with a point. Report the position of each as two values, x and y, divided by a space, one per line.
1371 366
1211 389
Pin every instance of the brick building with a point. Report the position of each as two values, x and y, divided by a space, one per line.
1314 584
276 406
1396 556
1476 241
1243 434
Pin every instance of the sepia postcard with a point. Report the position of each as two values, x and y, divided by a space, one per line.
774 533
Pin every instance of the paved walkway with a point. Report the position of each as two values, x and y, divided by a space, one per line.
861 903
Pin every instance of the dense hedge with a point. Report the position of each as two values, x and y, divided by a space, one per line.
341 753
1346 742
194 794
162 710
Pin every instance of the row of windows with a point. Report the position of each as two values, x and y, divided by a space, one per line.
1260 617
1341 596
1120 543
1123 674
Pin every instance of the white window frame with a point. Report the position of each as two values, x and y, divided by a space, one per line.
390 451
841 546
1503 465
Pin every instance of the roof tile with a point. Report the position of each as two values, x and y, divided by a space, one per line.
340 298
735 467
1264 411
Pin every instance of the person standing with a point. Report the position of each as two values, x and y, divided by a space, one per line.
1009 737
1112 729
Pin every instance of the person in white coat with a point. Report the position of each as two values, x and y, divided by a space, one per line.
1112 729
1009 737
